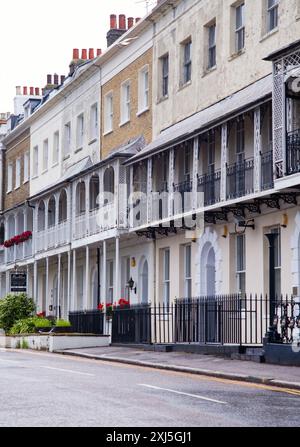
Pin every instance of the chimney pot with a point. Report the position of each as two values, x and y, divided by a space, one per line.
122 21
25 91
99 52
130 22
37 91
31 91
62 79
91 53
113 21
56 79
75 54
84 54
18 91
137 19
49 79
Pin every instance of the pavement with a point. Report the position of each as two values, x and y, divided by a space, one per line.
40 389
205 365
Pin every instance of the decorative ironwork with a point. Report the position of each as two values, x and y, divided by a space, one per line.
271 202
240 179
210 186
267 176
213 216
293 152
290 198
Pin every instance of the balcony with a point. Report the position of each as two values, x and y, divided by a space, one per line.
97 221
210 186
267 175
293 152
18 253
53 237
183 190
240 179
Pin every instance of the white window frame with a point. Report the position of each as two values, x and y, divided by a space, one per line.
55 153
9 177
125 102
188 271
110 282
94 122
35 162
272 15
108 113
18 173
26 167
67 139
144 90
165 73
45 157
239 29
212 46
80 132
187 62
240 269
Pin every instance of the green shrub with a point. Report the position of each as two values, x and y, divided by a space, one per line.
29 326
13 308
62 323
24 344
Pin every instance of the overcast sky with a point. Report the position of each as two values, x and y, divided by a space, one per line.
37 37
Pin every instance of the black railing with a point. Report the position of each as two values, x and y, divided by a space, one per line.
267 176
210 186
183 196
89 322
228 319
293 152
240 179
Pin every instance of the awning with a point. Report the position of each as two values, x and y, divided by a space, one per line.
200 121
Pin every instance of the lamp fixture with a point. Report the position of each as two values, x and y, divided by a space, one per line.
225 232
285 221
131 284
244 225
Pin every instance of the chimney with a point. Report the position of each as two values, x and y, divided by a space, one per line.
75 54
137 19
84 54
18 91
37 91
99 52
31 91
25 91
116 32
130 22
55 79
62 79
49 79
91 53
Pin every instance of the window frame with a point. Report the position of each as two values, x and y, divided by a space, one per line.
272 9
144 90
9 177
55 152
166 277
35 162
18 173
188 274
212 48
80 128
67 139
108 114
26 175
125 112
165 72
45 165
187 61
94 121
239 30
240 269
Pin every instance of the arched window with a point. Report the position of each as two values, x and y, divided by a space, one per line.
63 207
20 223
144 282
109 184
51 212
11 226
94 192
41 216
80 199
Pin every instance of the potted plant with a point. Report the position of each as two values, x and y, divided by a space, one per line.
109 311
62 327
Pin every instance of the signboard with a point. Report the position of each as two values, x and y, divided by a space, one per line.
18 282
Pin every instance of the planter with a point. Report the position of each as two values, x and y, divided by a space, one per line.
43 329
62 330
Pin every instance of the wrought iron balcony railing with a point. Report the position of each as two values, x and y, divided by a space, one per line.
210 186
293 152
267 173
240 179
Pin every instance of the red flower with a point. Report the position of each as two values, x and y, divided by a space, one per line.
41 315
16 240
100 307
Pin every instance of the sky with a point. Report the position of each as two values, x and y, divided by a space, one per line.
38 37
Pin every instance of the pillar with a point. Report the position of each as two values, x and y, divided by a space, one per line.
87 278
74 304
104 275
58 310
257 149
195 203
224 161
117 293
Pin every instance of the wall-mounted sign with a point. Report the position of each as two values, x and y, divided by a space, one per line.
18 282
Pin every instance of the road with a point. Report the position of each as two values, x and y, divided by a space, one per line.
48 390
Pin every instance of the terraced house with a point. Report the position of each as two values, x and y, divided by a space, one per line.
191 113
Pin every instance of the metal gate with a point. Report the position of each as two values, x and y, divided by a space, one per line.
131 325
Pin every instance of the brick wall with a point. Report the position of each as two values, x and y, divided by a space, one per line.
138 125
16 149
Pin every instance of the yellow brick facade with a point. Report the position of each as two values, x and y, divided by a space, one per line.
138 125
17 148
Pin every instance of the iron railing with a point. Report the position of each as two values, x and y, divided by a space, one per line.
267 176
183 191
293 152
210 186
223 320
240 179
87 322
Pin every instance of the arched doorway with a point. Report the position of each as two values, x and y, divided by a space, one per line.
144 281
208 270
95 288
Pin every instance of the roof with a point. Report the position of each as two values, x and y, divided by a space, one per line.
282 51
204 119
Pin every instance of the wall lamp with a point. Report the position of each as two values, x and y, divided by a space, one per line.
131 284
285 221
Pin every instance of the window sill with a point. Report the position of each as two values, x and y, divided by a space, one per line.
123 123
183 86
162 99
269 34
78 149
107 132
235 55
66 157
17 187
297 17
44 171
207 71
8 192
34 177
141 112
55 164
25 181
93 140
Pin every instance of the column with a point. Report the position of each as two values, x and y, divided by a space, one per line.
69 283
56 236
257 149
195 203
25 229
27 282
131 217
117 271
73 305
149 189
46 224
47 284
87 277
87 204
224 161
7 282
69 212
6 238
35 283
104 272
171 182
58 310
